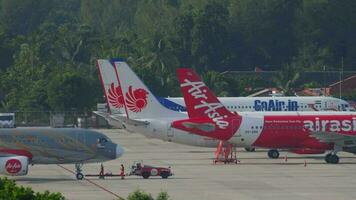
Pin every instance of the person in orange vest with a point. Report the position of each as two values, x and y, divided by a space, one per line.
122 171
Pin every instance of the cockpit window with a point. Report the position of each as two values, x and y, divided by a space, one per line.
103 140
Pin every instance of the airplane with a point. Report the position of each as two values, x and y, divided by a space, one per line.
273 103
108 74
234 104
21 147
298 132
153 124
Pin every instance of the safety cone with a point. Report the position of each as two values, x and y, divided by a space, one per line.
305 163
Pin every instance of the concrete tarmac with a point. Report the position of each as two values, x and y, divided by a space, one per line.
196 177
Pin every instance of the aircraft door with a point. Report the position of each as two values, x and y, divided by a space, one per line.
170 131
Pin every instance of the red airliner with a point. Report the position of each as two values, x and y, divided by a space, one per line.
299 132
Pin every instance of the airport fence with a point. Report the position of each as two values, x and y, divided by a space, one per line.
59 119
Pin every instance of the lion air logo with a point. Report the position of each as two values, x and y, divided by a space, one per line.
136 100
13 166
115 96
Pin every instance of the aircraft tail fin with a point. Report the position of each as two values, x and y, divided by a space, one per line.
207 115
112 89
199 100
139 100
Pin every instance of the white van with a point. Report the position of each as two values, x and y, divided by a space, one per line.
7 120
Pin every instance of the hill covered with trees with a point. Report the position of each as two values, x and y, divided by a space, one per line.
48 47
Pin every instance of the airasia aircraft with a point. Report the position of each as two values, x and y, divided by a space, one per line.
299 132
144 114
21 147
151 119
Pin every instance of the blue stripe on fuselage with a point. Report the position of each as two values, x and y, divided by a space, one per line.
171 105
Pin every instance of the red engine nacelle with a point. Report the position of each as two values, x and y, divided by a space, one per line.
14 165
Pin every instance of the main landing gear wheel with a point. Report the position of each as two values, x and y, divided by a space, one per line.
78 169
250 149
332 158
273 153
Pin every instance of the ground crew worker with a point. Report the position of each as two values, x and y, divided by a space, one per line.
101 174
122 171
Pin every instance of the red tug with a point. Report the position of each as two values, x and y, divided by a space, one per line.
146 171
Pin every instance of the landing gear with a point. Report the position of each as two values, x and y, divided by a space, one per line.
332 158
273 153
250 149
78 170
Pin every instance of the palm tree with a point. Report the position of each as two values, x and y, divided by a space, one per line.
216 82
286 79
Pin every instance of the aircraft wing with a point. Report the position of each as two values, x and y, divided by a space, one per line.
122 118
336 138
102 114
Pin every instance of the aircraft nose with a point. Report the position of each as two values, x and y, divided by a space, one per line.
119 151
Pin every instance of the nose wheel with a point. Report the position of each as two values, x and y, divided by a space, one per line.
332 158
78 170
273 153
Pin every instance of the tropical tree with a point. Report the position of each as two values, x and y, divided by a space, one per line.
286 79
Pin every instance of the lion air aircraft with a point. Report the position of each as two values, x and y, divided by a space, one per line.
20 147
299 132
109 76
145 115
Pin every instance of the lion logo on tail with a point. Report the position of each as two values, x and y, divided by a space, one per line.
136 100
115 96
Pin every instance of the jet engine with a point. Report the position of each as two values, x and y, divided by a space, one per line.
14 165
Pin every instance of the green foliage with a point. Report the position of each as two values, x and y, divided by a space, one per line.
43 41
312 84
10 191
141 195
287 78
63 90
350 95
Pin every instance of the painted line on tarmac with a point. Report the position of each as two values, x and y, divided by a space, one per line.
93 183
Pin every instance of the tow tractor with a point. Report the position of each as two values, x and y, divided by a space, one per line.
146 171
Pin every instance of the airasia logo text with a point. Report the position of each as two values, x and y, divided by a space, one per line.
330 125
13 166
198 92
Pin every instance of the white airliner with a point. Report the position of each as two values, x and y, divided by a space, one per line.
145 114
288 103
154 122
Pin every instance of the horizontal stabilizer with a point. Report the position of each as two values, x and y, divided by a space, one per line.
206 127
203 126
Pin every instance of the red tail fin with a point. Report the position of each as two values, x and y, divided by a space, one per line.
199 100
201 104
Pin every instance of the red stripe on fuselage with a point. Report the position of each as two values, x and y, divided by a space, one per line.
17 152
